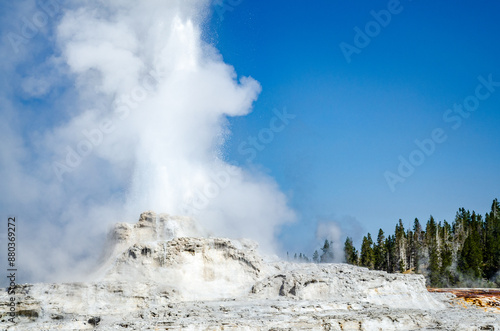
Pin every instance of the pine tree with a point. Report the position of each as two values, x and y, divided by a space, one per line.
416 250
379 252
491 252
351 255
390 249
446 255
460 226
410 246
471 257
367 257
316 257
431 232
400 246
327 256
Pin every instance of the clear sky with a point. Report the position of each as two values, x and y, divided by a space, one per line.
362 113
355 119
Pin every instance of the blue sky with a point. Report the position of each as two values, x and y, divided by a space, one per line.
354 120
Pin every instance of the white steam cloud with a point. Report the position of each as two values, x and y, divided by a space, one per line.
331 231
141 119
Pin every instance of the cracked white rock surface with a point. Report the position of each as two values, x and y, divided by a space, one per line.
161 273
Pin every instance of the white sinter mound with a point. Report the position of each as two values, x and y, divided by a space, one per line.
163 273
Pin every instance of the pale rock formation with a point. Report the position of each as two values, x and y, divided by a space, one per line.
163 273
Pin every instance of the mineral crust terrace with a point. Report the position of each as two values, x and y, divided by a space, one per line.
163 274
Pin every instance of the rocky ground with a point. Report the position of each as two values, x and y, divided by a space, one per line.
161 275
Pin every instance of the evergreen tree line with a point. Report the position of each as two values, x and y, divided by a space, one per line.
465 253
327 255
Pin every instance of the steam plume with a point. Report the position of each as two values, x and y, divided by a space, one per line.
332 232
142 128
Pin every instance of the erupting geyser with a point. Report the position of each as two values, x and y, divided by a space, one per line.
144 103
144 118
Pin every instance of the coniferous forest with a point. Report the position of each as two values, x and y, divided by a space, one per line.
465 253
